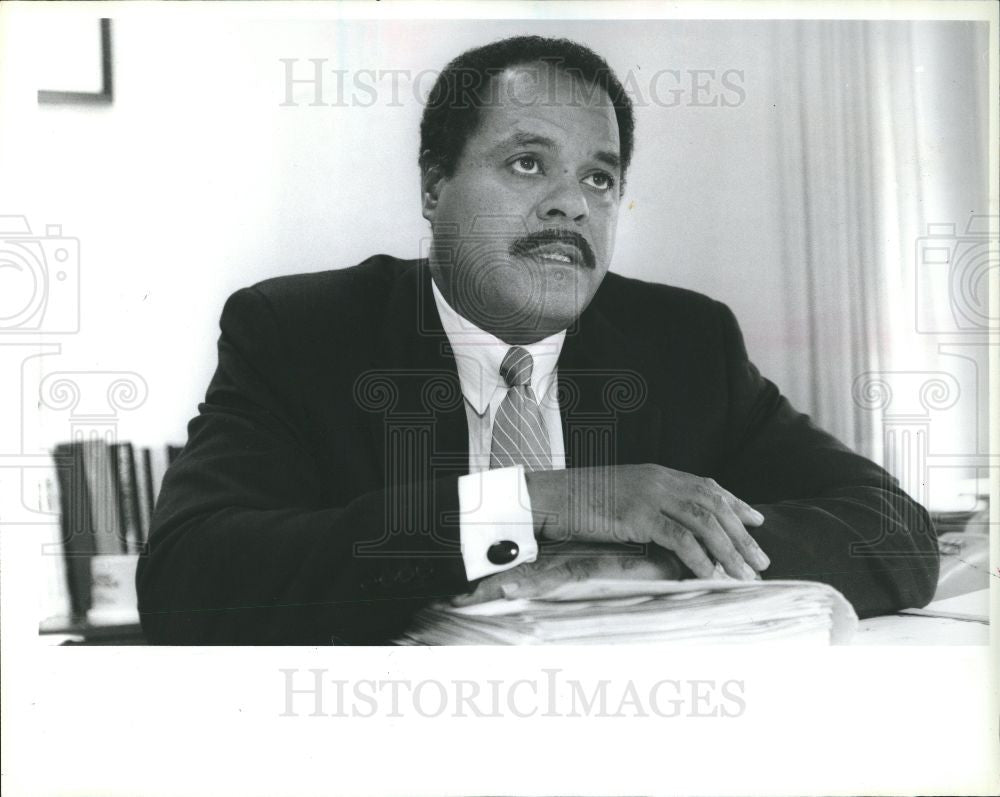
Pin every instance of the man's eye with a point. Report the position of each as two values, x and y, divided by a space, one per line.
600 180
527 165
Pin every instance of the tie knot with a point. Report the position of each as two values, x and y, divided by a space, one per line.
516 367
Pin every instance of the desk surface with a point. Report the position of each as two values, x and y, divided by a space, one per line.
911 629
896 629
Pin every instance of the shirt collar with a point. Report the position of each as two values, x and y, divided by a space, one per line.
478 355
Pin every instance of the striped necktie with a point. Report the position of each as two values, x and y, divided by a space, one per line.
519 436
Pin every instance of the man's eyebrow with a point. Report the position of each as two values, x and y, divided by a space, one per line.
522 139
610 159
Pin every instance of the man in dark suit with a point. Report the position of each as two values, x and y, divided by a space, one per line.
380 436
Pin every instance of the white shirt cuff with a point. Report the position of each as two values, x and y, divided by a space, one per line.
494 507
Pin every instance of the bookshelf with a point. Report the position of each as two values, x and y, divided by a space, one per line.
90 634
102 491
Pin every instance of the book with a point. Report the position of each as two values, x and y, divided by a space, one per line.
158 463
103 502
144 487
76 523
126 491
605 611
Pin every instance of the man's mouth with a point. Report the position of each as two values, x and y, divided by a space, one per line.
561 247
557 253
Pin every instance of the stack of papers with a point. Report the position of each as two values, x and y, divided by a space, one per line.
615 612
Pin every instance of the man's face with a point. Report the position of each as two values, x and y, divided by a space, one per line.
524 228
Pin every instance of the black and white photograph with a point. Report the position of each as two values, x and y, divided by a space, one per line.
472 374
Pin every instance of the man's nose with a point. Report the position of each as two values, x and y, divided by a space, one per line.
565 199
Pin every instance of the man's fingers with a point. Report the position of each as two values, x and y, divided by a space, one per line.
735 515
747 514
681 541
489 589
741 539
718 495
530 580
719 544
709 532
570 569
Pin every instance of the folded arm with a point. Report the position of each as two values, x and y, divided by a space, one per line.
830 514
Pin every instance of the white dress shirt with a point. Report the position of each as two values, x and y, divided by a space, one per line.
494 504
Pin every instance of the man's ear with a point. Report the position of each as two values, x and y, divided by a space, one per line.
431 181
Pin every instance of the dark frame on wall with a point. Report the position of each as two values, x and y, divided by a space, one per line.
104 97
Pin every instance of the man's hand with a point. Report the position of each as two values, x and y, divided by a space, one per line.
691 516
572 562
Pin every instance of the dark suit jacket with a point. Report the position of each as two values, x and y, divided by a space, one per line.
316 498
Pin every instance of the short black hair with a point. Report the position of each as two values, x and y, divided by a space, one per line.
451 114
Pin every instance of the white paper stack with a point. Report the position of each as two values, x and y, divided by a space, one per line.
616 612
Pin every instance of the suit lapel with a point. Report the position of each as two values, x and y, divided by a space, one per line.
421 431
609 415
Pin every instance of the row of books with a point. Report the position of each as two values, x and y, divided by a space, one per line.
104 494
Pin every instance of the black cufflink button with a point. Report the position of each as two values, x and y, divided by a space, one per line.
503 552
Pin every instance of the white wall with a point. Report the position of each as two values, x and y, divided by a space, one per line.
196 181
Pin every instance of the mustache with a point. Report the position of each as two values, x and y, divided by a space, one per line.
527 244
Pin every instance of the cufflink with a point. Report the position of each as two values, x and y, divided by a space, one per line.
503 552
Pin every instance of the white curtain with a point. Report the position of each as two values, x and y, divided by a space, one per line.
883 179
